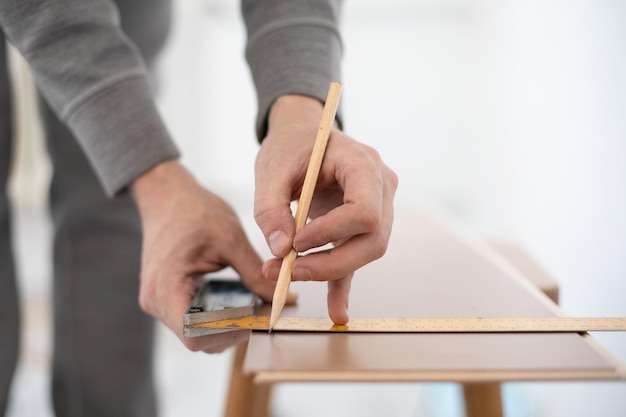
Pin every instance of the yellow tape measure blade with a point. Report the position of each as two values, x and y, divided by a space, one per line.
424 325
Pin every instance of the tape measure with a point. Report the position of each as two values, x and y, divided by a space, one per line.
422 325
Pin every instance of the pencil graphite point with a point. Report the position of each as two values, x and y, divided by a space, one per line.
282 287
275 315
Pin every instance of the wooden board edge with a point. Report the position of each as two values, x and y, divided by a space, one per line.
269 377
620 369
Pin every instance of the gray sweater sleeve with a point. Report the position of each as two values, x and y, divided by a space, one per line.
293 47
95 80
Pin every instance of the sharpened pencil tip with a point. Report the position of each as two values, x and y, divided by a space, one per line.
273 321
275 314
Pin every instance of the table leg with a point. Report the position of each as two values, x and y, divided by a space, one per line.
245 398
483 400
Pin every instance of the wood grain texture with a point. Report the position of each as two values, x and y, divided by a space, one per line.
432 269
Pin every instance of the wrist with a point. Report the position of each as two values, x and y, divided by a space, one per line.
151 185
294 110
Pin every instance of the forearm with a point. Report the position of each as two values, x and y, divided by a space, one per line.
94 79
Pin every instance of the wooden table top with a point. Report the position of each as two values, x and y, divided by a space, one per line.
433 268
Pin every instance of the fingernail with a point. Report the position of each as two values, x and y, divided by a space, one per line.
345 313
301 274
344 308
304 246
271 272
278 240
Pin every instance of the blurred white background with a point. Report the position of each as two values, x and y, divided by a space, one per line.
511 114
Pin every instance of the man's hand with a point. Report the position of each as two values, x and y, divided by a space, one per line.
352 206
189 231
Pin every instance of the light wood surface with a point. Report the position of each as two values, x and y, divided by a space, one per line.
306 196
529 267
432 269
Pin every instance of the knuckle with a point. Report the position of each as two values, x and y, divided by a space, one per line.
373 154
265 215
230 241
228 235
333 271
378 247
392 178
261 213
146 295
322 237
144 304
370 219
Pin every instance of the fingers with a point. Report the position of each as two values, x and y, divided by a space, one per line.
272 199
189 234
336 263
274 218
341 223
245 260
353 253
338 299
365 185
352 209
167 298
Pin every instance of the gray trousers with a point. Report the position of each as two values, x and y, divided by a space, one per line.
103 343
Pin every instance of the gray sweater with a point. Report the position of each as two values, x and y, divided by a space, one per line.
94 79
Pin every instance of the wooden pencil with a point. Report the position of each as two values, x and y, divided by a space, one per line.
306 196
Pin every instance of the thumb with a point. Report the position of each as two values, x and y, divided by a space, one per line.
272 213
248 265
